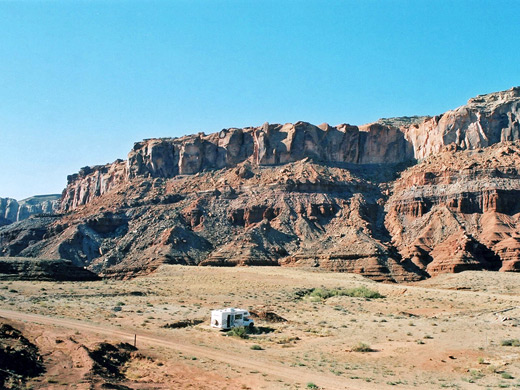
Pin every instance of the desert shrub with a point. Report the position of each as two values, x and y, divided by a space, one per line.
240 331
362 347
260 330
362 292
256 347
287 340
510 343
321 294
311 385
475 374
182 324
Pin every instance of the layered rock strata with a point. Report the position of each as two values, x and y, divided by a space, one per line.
262 146
247 215
457 211
344 198
484 121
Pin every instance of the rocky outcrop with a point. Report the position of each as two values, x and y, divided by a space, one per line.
19 358
457 211
12 210
22 268
484 121
246 215
343 198
92 182
508 250
261 146
8 211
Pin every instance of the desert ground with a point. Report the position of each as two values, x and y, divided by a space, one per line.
451 331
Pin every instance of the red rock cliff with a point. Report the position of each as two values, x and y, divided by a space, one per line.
485 120
265 145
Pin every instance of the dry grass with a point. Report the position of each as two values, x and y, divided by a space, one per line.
460 331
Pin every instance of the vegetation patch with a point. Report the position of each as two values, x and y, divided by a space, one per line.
510 343
182 324
243 332
362 347
240 331
321 293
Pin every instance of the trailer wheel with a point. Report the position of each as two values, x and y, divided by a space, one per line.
251 325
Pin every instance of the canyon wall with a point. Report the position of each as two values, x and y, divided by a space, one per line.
12 210
484 121
397 200
459 211
263 146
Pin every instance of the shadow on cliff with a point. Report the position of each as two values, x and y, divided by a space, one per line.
373 173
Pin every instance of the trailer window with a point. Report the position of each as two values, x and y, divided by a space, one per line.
238 316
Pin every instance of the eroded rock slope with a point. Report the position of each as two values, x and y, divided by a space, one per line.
344 198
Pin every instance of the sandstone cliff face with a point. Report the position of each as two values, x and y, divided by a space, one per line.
338 198
268 145
91 182
12 210
262 146
484 121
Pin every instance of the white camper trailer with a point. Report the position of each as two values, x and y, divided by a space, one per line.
230 318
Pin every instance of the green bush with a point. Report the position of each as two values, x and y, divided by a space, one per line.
362 347
321 294
311 385
362 292
256 347
239 331
510 343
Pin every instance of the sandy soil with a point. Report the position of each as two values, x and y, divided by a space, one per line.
446 332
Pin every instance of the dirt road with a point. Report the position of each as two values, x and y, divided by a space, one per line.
272 369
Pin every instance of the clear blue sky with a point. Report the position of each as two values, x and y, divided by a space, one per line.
80 81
